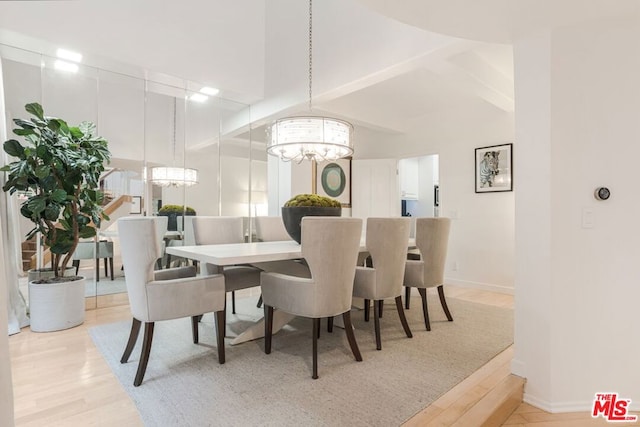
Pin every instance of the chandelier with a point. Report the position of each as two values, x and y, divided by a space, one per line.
173 176
166 176
310 137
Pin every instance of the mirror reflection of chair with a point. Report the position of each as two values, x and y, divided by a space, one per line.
164 294
386 243
330 247
87 250
432 239
216 230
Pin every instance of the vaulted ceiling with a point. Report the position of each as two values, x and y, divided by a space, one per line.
377 72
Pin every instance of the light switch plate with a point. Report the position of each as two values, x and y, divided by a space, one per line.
588 218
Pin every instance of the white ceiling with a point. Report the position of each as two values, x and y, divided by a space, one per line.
222 44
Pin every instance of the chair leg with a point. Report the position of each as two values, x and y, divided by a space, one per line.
329 324
76 264
381 303
133 337
443 302
111 266
106 267
194 328
316 333
367 309
407 297
221 326
268 328
425 310
403 319
376 323
233 302
259 304
144 354
348 328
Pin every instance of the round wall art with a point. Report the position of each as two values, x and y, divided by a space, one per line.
333 180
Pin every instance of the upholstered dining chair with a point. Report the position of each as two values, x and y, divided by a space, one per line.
217 230
164 294
330 247
432 239
271 229
387 245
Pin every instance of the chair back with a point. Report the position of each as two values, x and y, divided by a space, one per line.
217 230
330 245
140 246
387 240
432 238
270 229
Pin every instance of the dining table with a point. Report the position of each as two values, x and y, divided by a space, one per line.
248 253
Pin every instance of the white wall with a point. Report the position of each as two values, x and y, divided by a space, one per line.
578 98
482 233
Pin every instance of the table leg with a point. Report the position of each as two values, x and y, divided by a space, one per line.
255 331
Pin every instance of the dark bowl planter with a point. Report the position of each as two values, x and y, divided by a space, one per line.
292 217
172 224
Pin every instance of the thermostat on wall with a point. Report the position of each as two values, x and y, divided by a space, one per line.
602 193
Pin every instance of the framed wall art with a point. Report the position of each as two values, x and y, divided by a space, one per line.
333 179
136 205
494 168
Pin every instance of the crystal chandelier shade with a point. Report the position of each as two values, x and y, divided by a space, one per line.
166 176
173 176
310 137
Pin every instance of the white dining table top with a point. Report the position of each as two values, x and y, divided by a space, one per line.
239 253
244 253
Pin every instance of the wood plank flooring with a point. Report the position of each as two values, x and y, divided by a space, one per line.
61 379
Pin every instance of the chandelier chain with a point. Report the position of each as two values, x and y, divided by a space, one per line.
310 51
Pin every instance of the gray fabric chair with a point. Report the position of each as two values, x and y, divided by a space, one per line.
387 244
432 239
165 294
217 230
330 246
271 229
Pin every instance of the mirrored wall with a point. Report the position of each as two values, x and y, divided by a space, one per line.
149 125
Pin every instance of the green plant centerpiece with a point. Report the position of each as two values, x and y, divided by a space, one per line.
307 205
58 168
173 212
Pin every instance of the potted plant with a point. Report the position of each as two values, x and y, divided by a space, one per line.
173 211
58 169
307 205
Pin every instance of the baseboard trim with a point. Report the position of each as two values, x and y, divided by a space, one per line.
561 407
478 285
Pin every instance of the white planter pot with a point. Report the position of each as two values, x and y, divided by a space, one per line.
56 306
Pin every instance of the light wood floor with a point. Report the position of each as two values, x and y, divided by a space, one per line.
60 379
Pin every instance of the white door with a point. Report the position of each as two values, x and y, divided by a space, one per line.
375 188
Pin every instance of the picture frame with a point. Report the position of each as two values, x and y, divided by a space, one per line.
333 179
494 168
136 205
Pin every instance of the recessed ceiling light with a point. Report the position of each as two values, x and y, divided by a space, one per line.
66 66
69 55
209 91
198 97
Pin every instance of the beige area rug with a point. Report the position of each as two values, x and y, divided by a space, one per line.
185 386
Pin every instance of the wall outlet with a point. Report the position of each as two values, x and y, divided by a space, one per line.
454 266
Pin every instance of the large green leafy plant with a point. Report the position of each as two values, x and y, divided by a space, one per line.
58 169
